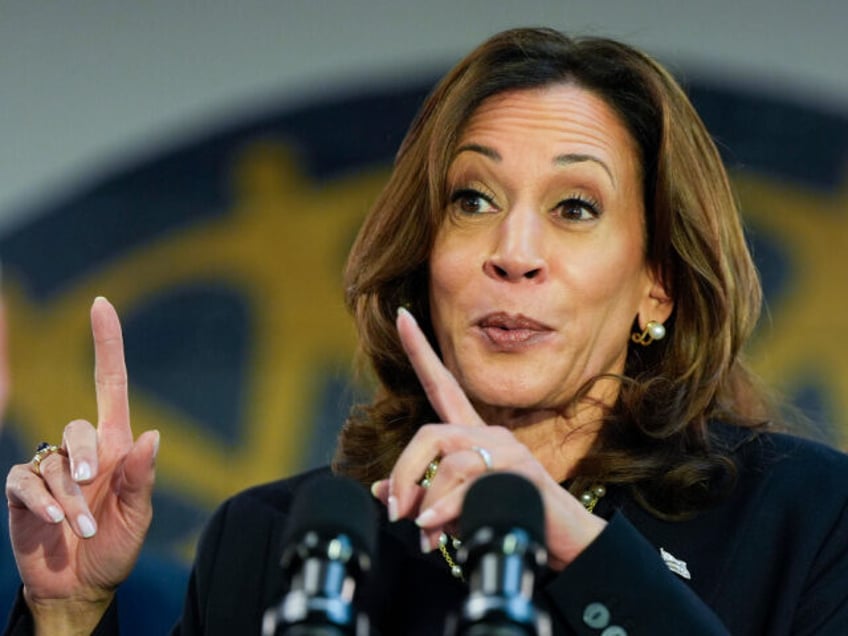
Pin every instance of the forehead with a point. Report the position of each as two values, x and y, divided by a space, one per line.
554 117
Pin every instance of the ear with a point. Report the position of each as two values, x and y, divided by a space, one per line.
656 304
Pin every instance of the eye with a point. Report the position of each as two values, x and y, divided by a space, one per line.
577 208
470 201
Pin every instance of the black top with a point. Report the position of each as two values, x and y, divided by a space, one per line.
771 559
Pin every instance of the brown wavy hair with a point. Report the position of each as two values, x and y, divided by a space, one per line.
656 440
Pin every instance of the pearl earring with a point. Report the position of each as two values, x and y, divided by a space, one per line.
653 331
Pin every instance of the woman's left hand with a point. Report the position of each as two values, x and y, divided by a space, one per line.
569 526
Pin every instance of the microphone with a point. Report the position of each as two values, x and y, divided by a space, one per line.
329 544
503 530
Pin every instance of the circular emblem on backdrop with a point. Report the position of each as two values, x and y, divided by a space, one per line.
224 257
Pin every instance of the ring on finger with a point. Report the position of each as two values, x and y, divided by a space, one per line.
485 455
43 450
430 473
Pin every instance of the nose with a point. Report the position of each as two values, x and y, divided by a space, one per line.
518 251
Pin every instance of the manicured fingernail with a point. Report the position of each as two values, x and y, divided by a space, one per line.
405 312
425 518
393 508
426 546
82 471
156 445
55 514
375 489
86 526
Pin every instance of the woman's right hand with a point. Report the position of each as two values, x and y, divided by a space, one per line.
457 442
77 525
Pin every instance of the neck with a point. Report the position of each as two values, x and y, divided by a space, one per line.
557 440
559 436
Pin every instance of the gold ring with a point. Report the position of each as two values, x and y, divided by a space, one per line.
430 473
485 455
44 450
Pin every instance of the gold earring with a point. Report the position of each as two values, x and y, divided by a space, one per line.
653 331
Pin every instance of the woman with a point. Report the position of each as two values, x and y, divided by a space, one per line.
575 290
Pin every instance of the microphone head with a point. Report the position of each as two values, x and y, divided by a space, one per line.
502 502
330 506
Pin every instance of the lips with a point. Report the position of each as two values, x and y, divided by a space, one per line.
511 331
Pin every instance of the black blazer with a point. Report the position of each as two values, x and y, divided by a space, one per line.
771 559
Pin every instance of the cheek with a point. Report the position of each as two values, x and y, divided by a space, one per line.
608 275
447 273
455 262
451 266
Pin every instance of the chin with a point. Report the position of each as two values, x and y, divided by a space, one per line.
510 394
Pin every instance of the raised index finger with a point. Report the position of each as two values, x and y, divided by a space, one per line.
445 395
110 374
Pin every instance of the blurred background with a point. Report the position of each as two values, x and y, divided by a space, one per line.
205 166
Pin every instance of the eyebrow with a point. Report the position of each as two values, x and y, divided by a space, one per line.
559 160
564 160
491 153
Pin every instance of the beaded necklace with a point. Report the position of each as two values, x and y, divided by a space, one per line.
589 499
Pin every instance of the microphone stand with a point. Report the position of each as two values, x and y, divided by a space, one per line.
329 539
320 600
502 526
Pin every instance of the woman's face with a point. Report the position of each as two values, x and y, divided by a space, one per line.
538 271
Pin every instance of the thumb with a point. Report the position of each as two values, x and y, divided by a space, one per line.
139 471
